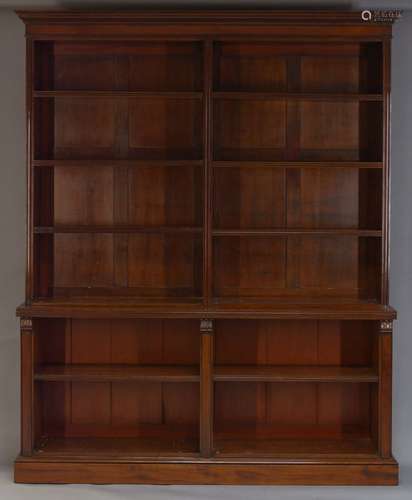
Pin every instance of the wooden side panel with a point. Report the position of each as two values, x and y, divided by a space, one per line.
385 389
27 386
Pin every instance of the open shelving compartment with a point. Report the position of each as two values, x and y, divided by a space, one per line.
295 387
118 180
208 249
112 387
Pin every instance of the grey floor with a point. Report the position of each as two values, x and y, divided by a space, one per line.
11 491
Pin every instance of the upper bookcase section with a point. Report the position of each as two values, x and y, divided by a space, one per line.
333 24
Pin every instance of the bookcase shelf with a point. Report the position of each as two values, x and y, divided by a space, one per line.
297 164
293 374
99 163
118 93
116 373
292 231
117 449
329 450
207 249
175 307
116 229
291 96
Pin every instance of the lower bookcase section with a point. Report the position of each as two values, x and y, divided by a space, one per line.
227 401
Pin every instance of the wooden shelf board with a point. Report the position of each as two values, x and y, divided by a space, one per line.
298 164
234 373
309 448
128 308
345 450
123 449
116 229
117 163
116 373
118 93
290 231
298 96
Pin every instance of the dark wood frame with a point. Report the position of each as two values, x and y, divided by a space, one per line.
205 467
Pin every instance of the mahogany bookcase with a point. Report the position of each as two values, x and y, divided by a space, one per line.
207 249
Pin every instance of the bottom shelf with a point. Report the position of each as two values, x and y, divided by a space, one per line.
115 448
125 449
296 448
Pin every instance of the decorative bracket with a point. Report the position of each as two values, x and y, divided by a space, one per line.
26 325
386 326
206 326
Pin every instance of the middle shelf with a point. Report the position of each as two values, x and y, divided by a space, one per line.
229 373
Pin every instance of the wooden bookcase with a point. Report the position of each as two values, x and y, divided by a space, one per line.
207 263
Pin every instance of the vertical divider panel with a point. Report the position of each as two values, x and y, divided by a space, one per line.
27 387
67 361
206 387
30 180
208 172
385 389
386 171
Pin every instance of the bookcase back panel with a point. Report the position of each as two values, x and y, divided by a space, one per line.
145 410
311 266
83 196
118 66
165 196
294 342
311 198
83 260
259 411
154 196
274 130
127 128
118 341
160 124
298 67
136 264
250 124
